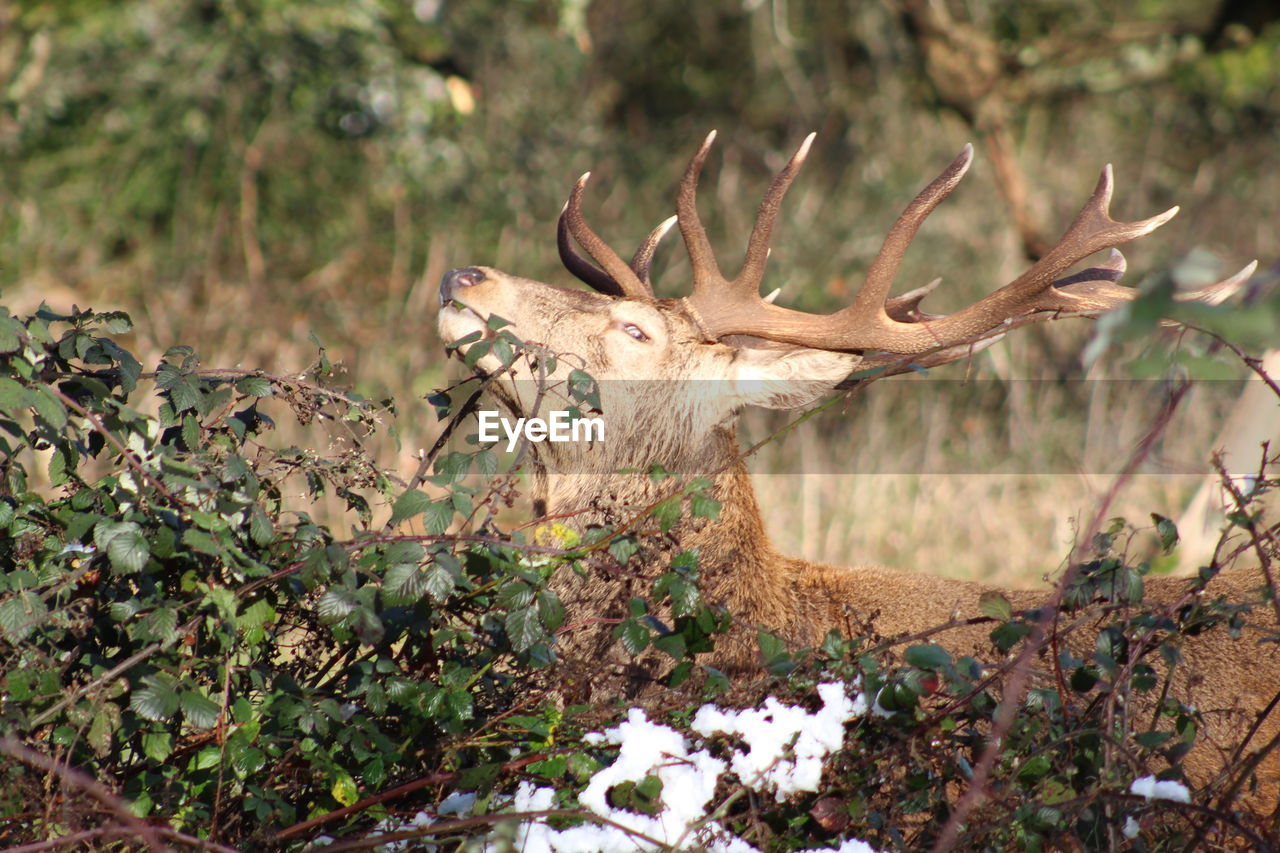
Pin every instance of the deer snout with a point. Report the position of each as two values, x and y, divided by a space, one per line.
455 280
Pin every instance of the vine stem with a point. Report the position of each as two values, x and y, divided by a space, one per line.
131 823
128 455
1018 682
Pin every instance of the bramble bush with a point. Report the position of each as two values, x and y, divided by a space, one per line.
189 658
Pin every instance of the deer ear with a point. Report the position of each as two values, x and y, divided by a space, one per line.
787 378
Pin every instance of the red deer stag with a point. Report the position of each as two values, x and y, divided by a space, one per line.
673 375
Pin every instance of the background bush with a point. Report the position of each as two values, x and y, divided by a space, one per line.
203 606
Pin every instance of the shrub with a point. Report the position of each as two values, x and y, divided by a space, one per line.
188 656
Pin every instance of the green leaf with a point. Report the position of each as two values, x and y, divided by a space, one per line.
157 746
772 649
116 322
9 340
672 644
1152 740
702 506
634 636
667 513
1007 635
256 615
158 699
160 625
20 615
198 540
106 720
184 394
58 467
623 547
439 581
128 549
408 505
344 787
583 389
927 656
452 467
199 710
994 605
260 529
207 758
247 759
550 768
223 601
1083 679
1035 768
191 432
550 610
335 604
436 517
254 386
13 397
404 583
524 628
515 594
503 350
1166 530
49 407
475 352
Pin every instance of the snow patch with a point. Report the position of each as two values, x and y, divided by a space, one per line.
1154 789
785 749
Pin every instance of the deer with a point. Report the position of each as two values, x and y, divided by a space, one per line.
674 375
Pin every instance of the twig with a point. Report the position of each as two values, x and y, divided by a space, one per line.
122 667
1014 691
1242 510
488 820
133 461
74 778
391 794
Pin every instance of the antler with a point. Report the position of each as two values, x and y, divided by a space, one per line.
617 278
874 321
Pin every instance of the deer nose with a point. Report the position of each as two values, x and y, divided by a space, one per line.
455 280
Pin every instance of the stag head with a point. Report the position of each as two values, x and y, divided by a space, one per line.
744 349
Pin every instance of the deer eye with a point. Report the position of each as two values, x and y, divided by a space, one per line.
636 332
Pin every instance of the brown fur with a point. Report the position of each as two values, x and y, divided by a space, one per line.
687 423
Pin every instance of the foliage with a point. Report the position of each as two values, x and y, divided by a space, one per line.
235 672
176 625
169 623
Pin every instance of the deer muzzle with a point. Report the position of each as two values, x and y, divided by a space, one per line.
456 280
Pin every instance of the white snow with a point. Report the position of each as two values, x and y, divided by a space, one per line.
785 744
785 749
1154 789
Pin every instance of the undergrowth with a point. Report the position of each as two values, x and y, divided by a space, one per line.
189 660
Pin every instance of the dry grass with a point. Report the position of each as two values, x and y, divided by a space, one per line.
990 488
988 480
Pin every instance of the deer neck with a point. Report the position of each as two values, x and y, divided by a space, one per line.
621 494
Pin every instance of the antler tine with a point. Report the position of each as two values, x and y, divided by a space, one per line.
701 258
628 283
1092 230
757 255
866 324
906 308
1089 291
1216 294
581 268
875 290
643 258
